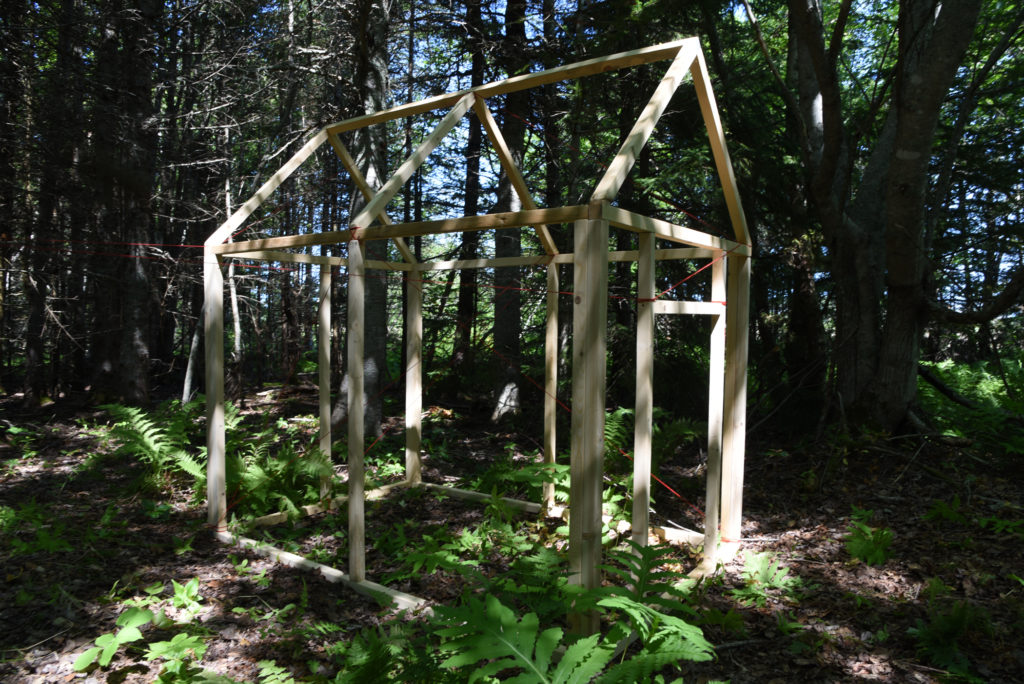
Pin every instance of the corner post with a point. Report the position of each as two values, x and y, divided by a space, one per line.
550 381
716 400
414 377
735 405
644 410
213 334
324 368
590 315
356 409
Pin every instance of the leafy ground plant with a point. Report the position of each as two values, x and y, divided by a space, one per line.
765 578
866 543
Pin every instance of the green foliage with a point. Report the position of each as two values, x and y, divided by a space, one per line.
988 384
641 574
159 443
866 543
618 433
489 631
186 596
272 673
950 512
108 644
266 483
536 475
177 654
765 578
939 638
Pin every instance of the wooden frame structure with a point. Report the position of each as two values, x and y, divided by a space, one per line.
729 308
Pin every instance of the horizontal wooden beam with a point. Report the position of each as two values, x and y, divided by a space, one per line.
398 599
508 219
332 237
286 257
639 223
469 495
587 67
669 306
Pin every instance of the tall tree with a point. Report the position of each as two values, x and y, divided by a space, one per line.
508 241
874 208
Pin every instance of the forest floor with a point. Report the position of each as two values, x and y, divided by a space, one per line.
80 540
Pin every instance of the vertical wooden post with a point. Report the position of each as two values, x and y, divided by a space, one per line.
735 419
716 390
550 380
356 409
644 410
324 367
590 314
213 336
414 377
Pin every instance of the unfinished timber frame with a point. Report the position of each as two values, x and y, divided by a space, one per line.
728 307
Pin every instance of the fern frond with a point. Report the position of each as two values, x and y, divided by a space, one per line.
490 631
663 652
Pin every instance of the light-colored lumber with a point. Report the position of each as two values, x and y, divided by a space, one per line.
550 380
356 410
286 257
621 218
590 284
213 338
737 324
413 379
333 237
253 203
719 150
405 171
615 175
398 599
357 177
461 264
323 337
509 219
567 72
674 254
674 535
469 495
671 306
280 517
643 415
511 170
716 400
299 258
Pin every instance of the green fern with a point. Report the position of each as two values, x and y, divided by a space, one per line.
644 577
665 648
161 444
618 431
489 631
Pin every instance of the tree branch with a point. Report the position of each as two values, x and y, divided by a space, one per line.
999 305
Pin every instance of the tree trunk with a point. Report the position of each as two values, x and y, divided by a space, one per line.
507 284
876 230
370 151
465 318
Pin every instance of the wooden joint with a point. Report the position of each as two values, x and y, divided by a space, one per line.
595 210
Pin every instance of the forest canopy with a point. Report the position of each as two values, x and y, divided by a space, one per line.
877 148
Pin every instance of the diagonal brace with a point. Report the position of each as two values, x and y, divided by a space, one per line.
511 170
376 205
615 176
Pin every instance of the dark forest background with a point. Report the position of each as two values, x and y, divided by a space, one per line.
878 149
